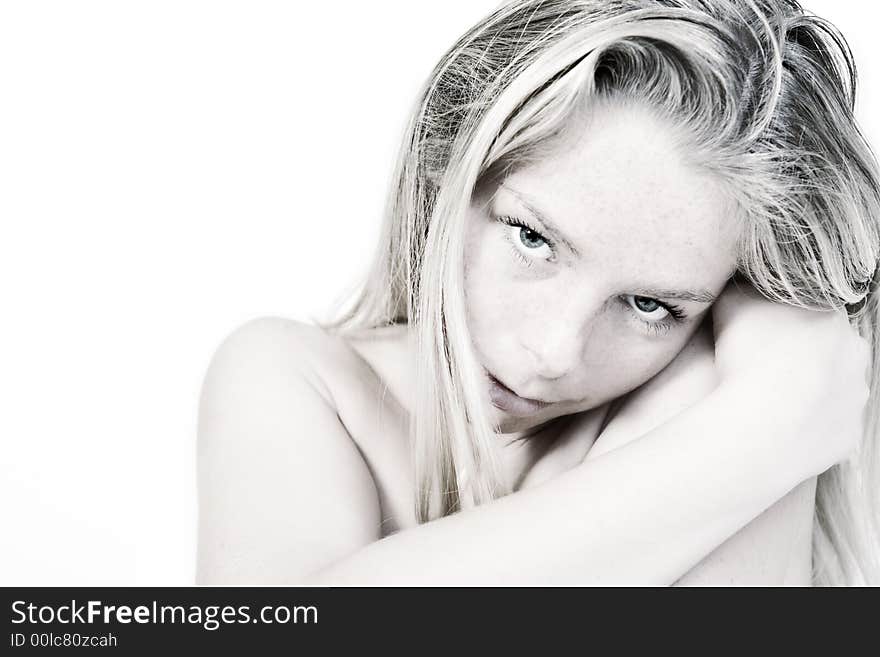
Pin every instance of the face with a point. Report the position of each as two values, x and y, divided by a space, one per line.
587 272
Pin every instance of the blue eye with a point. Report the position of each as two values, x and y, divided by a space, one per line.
650 310
527 243
647 305
531 239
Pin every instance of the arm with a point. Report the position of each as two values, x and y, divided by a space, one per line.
788 404
630 516
773 549
645 513
285 496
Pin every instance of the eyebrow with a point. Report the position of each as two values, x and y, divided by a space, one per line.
700 295
552 228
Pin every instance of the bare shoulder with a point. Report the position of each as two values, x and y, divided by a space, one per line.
285 346
338 366
283 488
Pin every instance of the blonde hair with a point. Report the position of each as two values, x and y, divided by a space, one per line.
765 94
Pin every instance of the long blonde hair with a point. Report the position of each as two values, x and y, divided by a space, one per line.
765 94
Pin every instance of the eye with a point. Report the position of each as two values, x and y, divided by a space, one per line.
649 310
526 241
531 239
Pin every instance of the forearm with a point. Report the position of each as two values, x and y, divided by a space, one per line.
644 513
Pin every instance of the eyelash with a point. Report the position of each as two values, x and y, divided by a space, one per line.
676 313
676 316
519 223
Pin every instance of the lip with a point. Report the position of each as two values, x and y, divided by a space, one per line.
508 401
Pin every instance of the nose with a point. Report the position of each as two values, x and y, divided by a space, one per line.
556 346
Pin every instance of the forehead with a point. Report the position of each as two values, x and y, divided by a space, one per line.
620 187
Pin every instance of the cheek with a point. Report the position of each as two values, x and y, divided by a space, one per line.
490 294
620 362
502 300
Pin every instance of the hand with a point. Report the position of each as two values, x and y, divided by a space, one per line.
804 371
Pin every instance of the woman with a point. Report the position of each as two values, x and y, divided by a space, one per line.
621 327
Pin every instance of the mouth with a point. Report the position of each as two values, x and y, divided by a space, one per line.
508 401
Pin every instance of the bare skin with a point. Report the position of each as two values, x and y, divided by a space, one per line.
588 271
304 437
774 549
248 534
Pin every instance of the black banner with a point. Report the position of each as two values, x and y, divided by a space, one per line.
148 620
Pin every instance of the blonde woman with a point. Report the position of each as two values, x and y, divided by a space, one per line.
622 326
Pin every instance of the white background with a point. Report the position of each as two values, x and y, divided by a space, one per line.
169 170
